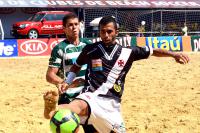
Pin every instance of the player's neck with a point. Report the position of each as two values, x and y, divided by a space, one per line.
73 41
111 44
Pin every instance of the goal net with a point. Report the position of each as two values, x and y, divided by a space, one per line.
149 22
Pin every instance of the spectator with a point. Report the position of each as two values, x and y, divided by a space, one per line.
185 30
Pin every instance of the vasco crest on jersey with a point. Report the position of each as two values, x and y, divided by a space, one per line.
120 63
97 65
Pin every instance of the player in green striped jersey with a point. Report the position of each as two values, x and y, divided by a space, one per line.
64 55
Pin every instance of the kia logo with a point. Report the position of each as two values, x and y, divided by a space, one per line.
34 47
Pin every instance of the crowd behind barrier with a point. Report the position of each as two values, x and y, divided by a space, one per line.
43 47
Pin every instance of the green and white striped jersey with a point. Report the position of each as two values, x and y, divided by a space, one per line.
64 55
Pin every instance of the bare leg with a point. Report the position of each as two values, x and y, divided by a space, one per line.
50 102
77 106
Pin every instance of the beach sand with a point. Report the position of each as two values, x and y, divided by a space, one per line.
160 96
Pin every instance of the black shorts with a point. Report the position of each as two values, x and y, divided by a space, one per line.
63 99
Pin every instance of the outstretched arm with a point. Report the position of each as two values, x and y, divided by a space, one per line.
179 57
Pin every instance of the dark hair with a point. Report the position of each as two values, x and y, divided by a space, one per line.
108 19
67 17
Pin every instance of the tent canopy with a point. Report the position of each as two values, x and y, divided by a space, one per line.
95 22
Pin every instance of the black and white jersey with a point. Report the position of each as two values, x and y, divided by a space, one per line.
108 66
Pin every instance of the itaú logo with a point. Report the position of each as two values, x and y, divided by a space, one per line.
34 47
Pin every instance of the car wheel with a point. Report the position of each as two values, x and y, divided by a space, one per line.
33 34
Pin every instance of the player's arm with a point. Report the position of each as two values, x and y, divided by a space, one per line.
55 63
145 52
51 76
139 53
179 57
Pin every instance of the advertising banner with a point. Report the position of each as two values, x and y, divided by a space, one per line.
170 43
102 3
8 48
195 42
141 41
186 43
124 41
36 47
43 47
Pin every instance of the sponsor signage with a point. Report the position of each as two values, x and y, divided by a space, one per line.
170 43
8 48
43 47
195 42
36 47
51 27
124 41
103 3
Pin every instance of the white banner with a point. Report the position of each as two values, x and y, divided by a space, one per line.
103 3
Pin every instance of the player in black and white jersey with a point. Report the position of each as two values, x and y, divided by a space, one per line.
108 66
108 63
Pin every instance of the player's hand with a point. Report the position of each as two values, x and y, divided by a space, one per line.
181 58
62 87
77 82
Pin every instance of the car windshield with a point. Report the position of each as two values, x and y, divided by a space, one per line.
36 17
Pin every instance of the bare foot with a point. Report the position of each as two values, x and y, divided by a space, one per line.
50 102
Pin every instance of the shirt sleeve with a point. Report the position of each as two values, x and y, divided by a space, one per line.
141 52
56 57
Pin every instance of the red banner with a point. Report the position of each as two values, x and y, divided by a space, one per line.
36 47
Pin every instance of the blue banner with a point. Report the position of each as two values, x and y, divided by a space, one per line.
8 48
170 43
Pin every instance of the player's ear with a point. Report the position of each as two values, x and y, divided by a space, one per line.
117 29
117 32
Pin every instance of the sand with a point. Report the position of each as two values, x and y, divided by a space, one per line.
161 96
